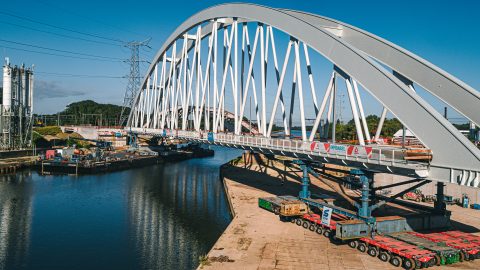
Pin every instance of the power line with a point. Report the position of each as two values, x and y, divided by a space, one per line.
60 55
89 18
79 75
59 27
57 50
60 35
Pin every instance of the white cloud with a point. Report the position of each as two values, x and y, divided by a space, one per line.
52 89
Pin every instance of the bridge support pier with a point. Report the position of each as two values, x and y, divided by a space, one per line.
440 205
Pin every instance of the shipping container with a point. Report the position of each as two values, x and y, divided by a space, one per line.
49 154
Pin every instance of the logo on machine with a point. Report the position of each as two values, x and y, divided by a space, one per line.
326 215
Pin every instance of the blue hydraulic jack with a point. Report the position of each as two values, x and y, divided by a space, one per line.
364 208
304 193
133 140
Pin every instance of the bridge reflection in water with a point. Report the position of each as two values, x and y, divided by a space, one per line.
15 218
178 211
156 217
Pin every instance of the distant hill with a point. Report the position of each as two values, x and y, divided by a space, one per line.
86 112
108 111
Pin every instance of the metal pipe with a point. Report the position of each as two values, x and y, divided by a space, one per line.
354 112
380 123
362 113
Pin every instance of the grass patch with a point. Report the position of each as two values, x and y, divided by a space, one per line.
203 260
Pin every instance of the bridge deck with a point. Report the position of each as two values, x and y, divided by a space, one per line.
382 158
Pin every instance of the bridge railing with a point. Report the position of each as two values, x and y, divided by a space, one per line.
377 154
380 154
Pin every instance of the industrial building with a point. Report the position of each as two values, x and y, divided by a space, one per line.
16 107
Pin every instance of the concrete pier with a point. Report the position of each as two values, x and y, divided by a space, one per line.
11 165
257 239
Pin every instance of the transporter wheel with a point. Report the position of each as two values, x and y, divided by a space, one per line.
384 256
353 244
438 260
298 222
471 257
396 261
408 264
372 251
293 220
319 230
333 238
305 224
276 211
326 233
463 256
312 227
362 247
418 264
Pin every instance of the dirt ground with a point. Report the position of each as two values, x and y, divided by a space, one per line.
257 239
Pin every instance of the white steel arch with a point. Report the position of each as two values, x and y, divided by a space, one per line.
180 77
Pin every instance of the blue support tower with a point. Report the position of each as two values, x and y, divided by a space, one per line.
133 140
304 193
364 209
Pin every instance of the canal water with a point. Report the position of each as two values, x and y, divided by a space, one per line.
157 217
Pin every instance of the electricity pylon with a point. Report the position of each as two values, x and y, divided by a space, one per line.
133 84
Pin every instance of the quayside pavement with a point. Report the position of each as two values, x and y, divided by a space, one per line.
256 239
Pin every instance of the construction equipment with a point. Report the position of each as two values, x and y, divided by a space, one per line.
396 252
408 249
284 206
470 250
447 255
465 201
448 199
414 195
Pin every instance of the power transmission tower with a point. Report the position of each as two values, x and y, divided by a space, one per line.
133 77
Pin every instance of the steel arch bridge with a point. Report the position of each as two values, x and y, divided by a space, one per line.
209 69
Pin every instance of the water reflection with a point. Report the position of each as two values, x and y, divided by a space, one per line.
156 217
177 212
15 219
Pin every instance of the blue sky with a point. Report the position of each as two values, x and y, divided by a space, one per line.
444 32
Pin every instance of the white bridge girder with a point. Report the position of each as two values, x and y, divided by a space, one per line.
187 80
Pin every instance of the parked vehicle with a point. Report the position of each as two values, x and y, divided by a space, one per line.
448 199
415 195
430 198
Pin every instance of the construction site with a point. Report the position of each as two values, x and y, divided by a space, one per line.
275 228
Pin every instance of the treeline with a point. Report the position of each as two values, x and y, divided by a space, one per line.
83 113
347 131
92 107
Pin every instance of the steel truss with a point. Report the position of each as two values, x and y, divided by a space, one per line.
193 88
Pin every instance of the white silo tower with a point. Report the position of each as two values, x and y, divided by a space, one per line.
7 86
16 117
